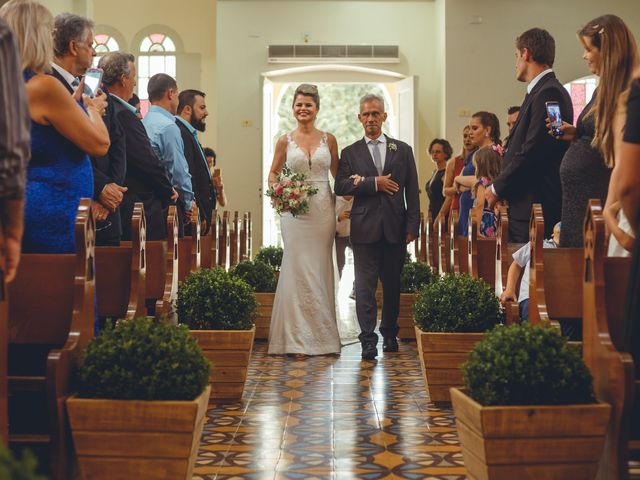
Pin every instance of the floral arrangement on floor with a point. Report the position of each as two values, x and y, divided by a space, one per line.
291 192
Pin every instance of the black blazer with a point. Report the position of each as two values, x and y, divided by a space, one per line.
531 167
54 73
378 215
145 178
200 177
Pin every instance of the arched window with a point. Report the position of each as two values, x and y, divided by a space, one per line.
103 43
157 55
581 91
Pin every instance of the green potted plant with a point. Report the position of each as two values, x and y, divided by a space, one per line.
272 256
22 469
141 402
219 309
264 281
528 409
414 276
451 315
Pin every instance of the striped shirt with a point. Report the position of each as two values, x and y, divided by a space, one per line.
14 119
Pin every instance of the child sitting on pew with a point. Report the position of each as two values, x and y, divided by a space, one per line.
521 261
488 162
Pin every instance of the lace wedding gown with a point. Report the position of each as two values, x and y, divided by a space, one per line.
304 312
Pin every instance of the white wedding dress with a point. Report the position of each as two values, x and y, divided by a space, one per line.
304 313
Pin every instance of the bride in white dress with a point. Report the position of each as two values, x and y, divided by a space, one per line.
303 321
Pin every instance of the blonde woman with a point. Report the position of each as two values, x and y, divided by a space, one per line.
64 131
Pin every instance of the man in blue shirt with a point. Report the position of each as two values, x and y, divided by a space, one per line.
166 140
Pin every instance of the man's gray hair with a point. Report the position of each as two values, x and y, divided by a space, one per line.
114 65
371 97
68 27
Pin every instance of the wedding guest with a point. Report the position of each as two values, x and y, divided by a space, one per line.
63 133
73 49
531 167
14 149
487 162
453 169
512 116
145 177
440 151
134 101
167 142
216 177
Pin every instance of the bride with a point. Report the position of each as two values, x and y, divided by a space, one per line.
303 321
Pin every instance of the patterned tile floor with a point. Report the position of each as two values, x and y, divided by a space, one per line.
331 418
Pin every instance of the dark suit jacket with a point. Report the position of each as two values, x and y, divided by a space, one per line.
378 215
145 178
531 167
200 176
54 73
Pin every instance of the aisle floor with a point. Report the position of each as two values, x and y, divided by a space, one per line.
331 417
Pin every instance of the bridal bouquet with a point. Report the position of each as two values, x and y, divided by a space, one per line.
291 192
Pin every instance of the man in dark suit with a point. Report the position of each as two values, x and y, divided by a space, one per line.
73 47
380 172
191 117
531 167
145 177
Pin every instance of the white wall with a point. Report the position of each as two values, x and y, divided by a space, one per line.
246 28
480 58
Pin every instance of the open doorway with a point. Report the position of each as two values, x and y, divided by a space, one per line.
340 88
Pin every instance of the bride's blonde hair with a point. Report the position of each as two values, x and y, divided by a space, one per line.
307 90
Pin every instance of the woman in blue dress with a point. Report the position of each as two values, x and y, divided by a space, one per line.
484 131
64 131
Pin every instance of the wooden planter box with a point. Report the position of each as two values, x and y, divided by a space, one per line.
229 352
441 355
406 327
125 439
551 442
263 320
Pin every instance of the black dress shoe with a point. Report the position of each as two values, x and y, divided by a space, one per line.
390 344
369 351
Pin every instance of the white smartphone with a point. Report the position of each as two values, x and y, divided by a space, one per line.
92 80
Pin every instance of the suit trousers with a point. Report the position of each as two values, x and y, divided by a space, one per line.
380 260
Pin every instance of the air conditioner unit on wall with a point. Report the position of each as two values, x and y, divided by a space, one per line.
333 53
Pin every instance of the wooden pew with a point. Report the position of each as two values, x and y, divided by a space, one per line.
4 332
162 269
223 241
502 257
481 253
604 290
189 249
206 244
234 240
421 241
51 319
555 277
458 247
244 239
249 236
121 273
443 244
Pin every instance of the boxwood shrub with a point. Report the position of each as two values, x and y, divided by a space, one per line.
414 276
257 274
143 359
456 303
527 364
271 256
212 299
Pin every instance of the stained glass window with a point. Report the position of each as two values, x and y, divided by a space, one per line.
103 44
581 91
157 55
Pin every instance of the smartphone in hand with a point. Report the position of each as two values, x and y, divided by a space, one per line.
555 119
93 80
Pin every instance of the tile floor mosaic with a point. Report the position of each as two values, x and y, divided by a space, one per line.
331 418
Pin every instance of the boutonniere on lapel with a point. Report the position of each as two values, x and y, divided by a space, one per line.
393 147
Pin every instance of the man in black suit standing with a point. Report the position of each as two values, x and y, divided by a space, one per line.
74 53
531 167
145 177
380 173
191 117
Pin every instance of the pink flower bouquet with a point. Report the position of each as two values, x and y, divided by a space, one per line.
291 192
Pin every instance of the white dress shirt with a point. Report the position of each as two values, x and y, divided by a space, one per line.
382 148
66 75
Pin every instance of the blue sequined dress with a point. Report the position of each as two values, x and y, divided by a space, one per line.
58 176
